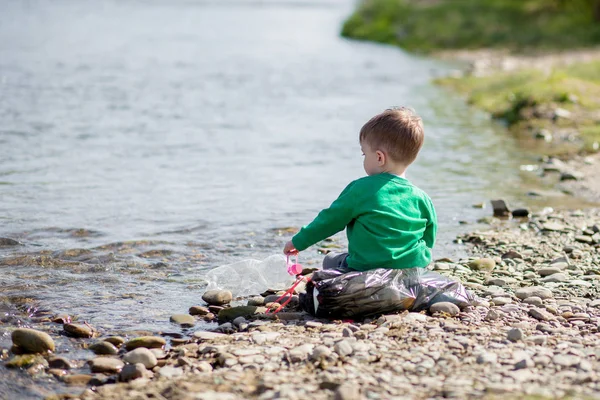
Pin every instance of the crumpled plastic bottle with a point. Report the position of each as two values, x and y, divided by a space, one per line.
251 277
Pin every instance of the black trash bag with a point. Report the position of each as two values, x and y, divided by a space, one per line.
338 294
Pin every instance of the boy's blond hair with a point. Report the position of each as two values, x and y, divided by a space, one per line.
397 131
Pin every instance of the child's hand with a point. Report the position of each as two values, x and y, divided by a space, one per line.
289 249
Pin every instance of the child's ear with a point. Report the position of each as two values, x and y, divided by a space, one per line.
380 157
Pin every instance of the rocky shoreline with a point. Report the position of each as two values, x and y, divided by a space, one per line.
532 332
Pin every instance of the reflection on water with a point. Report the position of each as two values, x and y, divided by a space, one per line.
142 143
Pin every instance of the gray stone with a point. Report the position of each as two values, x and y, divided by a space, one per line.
343 348
170 372
545 271
553 226
117 341
320 352
501 301
541 315
204 335
514 335
487 358
256 301
566 360
217 297
559 277
534 301
229 314
141 355
347 391
132 371
445 307
524 363
106 364
32 341
104 348
5 242
539 339
500 208
537 291
185 320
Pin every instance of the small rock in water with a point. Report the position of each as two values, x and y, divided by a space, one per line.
537 291
5 242
184 320
78 330
104 348
106 364
26 361
520 213
77 379
514 335
117 341
59 362
483 264
32 341
132 371
149 342
500 208
256 301
445 307
229 314
217 297
141 355
198 310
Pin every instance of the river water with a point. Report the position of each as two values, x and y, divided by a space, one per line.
145 142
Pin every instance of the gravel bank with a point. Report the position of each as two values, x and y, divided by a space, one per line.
533 332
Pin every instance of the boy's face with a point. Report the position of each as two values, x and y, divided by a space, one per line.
373 159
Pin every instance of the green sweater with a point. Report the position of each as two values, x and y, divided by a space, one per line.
390 224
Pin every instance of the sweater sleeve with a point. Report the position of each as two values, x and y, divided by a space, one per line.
329 221
431 226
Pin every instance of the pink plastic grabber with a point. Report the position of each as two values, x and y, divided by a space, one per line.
294 268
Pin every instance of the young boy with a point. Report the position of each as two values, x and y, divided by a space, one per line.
390 223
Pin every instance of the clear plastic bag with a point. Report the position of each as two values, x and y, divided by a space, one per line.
335 294
251 277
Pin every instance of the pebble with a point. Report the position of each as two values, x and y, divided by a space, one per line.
515 335
320 352
104 348
170 372
487 358
217 297
184 320
559 277
117 341
106 364
78 330
149 342
343 348
566 360
483 264
205 335
59 363
534 301
132 371
198 310
141 355
32 341
545 271
257 301
445 307
347 391
533 291
541 315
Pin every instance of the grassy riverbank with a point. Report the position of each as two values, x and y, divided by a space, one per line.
557 109
426 26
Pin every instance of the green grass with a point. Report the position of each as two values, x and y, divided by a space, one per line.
527 101
430 25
